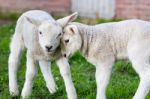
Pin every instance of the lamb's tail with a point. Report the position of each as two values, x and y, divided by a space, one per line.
16 47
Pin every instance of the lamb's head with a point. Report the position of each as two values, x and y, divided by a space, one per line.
50 31
71 40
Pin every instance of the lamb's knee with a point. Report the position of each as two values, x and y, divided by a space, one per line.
31 74
144 75
13 59
13 65
65 72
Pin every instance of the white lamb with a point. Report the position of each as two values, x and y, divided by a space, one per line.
38 32
102 44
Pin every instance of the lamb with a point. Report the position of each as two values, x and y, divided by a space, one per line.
102 44
40 34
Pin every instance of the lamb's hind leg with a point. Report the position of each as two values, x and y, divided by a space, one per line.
13 67
46 71
16 48
30 74
143 70
144 86
140 55
103 72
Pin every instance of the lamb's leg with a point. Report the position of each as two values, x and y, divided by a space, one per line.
16 48
144 86
13 67
65 73
143 70
139 54
103 72
30 74
46 71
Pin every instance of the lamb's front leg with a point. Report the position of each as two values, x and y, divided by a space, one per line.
46 71
31 71
103 71
65 72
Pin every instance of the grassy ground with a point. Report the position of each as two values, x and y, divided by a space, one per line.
123 83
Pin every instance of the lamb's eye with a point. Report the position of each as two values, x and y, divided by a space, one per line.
40 32
66 41
59 34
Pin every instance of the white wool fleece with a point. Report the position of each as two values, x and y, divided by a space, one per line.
102 44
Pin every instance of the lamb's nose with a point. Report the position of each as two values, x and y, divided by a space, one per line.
65 55
48 48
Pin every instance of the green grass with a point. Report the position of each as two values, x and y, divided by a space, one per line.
123 83
9 15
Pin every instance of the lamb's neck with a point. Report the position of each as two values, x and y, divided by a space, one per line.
85 31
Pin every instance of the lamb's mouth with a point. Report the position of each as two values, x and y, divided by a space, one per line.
51 51
54 50
67 55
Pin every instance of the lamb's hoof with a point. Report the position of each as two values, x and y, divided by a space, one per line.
14 93
25 94
15 97
53 90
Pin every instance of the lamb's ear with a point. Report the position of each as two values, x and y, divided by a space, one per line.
73 29
33 21
64 21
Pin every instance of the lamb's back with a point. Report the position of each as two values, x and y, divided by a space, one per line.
113 38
